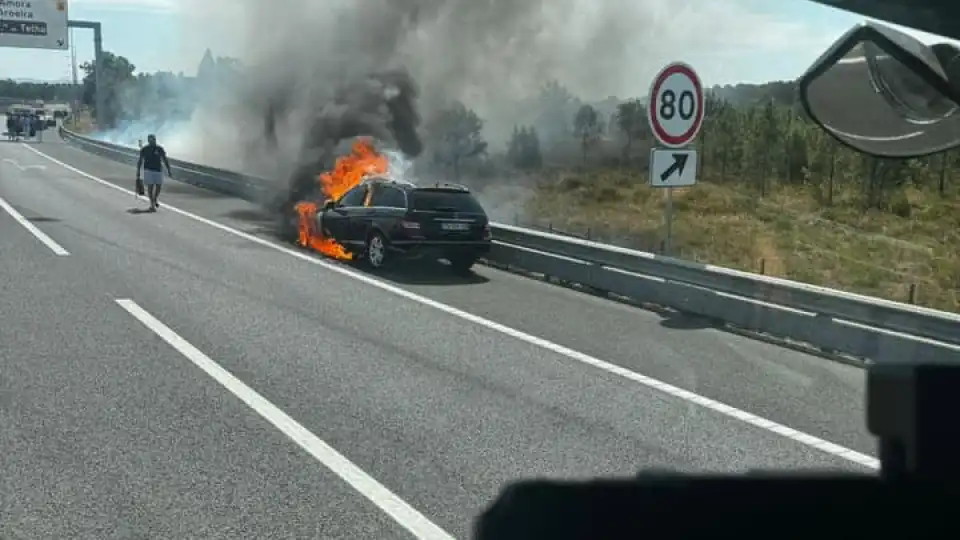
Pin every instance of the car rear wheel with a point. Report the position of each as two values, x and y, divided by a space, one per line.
375 253
462 264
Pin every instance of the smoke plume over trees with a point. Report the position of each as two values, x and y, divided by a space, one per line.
529 102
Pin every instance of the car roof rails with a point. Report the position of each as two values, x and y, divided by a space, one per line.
381 179
451 185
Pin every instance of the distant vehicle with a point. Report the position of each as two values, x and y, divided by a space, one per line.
380 221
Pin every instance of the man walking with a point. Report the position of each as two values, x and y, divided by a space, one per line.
152 159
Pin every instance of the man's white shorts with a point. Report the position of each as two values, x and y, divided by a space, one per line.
152 178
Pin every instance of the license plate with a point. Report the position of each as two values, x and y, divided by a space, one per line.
455 226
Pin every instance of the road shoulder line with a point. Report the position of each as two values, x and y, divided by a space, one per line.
56 248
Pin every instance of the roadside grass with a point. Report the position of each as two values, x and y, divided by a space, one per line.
81 122
786 233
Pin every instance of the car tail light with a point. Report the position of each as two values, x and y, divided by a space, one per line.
487 233
410 225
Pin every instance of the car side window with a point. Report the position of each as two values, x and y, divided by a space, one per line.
354 197
389 197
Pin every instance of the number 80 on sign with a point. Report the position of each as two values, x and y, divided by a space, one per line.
675 109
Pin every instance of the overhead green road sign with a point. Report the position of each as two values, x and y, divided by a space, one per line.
34 24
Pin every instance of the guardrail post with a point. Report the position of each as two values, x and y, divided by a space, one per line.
913 293
763 266
668 223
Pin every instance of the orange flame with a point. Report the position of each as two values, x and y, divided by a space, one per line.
363 160
348 171
309 237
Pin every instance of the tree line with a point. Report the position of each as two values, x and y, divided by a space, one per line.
32 91
129 95
753 135
757 142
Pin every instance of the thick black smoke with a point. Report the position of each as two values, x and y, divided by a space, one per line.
495 56
382 105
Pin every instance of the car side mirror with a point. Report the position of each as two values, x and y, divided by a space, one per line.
329 205
885 93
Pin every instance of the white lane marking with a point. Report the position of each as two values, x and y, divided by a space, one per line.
40 235
722 408
888 138
21 167
401 512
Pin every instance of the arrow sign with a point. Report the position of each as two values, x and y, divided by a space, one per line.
679 162
673 168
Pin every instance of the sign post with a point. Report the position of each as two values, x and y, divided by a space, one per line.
99 87
675 112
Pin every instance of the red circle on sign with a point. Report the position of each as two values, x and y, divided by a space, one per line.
661 134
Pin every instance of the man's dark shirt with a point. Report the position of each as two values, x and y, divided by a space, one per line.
152 157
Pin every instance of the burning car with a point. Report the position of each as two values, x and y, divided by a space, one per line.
372 219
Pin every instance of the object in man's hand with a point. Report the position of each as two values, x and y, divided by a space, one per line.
140 186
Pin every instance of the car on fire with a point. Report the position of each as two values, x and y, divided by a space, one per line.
380 220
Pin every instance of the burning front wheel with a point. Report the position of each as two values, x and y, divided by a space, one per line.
375 254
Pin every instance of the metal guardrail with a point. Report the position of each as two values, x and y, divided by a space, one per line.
835 321
226 182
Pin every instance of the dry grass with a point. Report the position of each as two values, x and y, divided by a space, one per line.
82 122
786 233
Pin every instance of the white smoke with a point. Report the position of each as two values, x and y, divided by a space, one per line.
399 167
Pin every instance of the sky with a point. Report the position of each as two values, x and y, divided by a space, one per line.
170 35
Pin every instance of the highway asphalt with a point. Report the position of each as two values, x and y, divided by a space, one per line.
172 377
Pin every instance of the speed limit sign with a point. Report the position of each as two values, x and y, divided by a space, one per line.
675 109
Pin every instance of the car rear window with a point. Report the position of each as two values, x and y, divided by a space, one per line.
452 201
